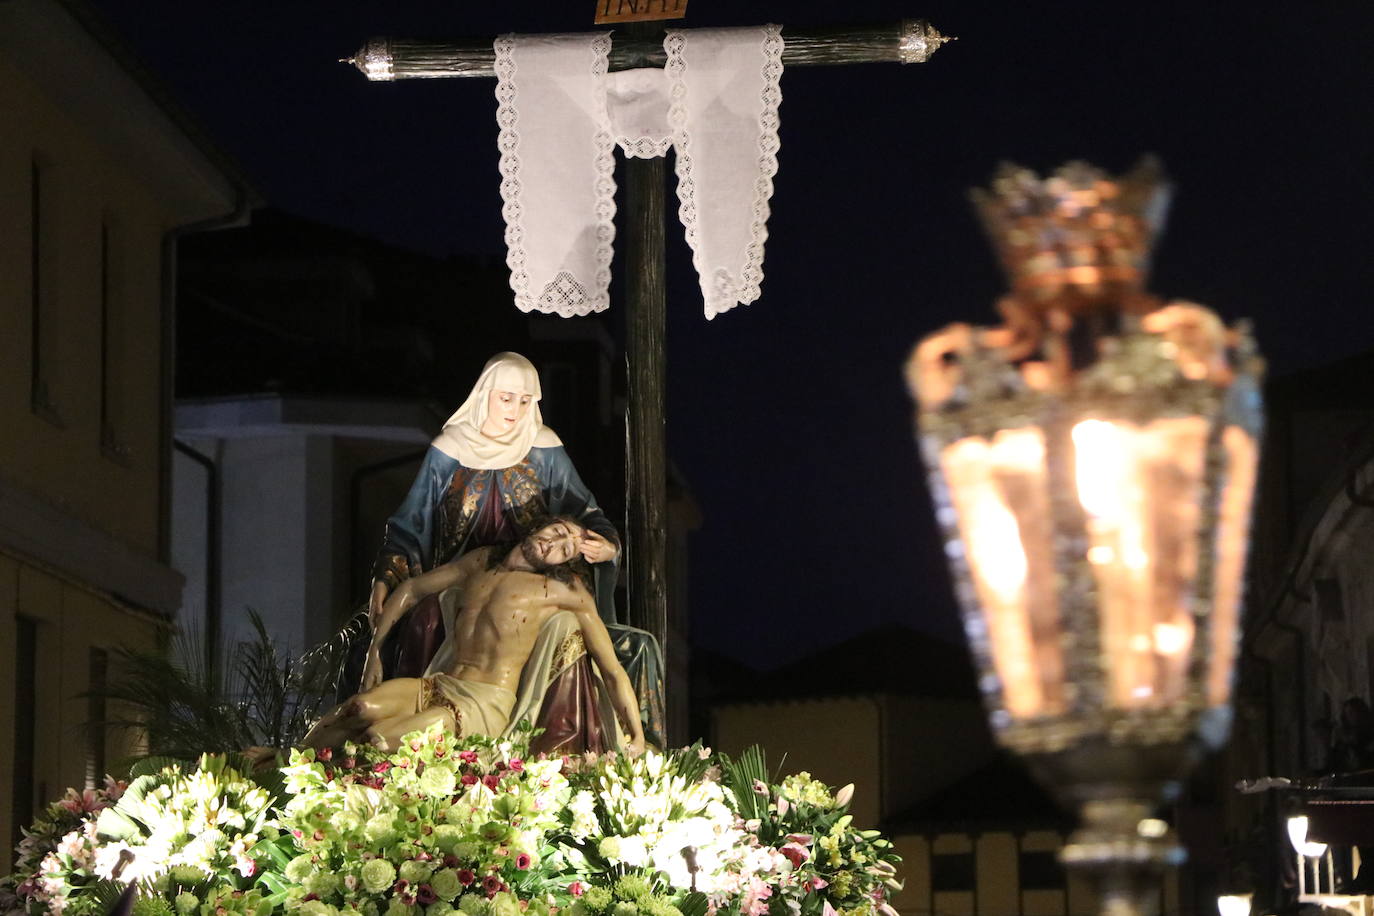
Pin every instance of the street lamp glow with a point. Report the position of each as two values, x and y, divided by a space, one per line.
1234 904
1297 835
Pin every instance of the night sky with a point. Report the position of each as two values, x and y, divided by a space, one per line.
788 417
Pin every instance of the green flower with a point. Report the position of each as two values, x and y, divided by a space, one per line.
445 884
446 836
473 904
465 851
438 780
299 868
185 875
377 875
317 908
187 903
440 909
380 829
415 871
152 906
595 899
625 908
609 848
322 883
632 887
398 908
504 904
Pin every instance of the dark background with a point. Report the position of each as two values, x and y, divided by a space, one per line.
788 418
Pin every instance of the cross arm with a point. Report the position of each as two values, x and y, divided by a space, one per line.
910 41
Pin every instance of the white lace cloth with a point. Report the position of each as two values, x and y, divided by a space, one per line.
560 113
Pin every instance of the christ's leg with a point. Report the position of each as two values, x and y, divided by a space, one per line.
386 734
388 700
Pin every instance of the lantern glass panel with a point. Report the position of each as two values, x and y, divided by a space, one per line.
1233 533
1141 489
1001 498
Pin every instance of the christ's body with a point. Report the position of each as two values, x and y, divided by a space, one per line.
503 603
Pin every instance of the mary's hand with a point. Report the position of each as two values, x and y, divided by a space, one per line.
597 549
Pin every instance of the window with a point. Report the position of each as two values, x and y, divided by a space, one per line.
95 717
1041 871
41 332
952 871
25 725
110 362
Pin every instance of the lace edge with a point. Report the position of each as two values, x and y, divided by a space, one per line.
725 291
507 144
512 210
600 297
644 147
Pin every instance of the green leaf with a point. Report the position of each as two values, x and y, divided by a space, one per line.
694 904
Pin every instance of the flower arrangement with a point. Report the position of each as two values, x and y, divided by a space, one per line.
446 826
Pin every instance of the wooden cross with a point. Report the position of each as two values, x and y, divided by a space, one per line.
910 41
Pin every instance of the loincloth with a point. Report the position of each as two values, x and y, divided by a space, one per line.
478 709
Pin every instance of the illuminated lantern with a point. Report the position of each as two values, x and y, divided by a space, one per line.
1092 462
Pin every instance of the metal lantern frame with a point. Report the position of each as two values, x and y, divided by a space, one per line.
1083 343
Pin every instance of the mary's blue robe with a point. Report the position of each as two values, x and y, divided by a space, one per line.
452 509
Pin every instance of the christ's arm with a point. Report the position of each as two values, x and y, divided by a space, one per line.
405 596
599 646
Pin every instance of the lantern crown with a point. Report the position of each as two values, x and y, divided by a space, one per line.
1078 240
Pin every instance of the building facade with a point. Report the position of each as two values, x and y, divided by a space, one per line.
98 179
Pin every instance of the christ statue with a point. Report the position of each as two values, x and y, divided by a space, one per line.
504 597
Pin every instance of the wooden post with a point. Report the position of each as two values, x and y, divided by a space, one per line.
646 470
641 45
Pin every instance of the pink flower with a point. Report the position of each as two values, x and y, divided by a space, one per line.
469 779
576 889
760 787
467 756
522 861
795 853
843 796
818 882
324 753
466 877
491 781
517 764
381 767
426 895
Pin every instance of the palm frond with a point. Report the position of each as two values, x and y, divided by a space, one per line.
253 696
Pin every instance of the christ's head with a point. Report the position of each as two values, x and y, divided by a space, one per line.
554 542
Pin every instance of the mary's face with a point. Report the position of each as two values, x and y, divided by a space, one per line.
504 410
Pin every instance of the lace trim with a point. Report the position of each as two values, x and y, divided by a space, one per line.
644 147
725 291
564 295
600 300
508 144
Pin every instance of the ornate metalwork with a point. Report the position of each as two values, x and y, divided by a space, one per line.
374 60
919 42
1086 351
910 41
